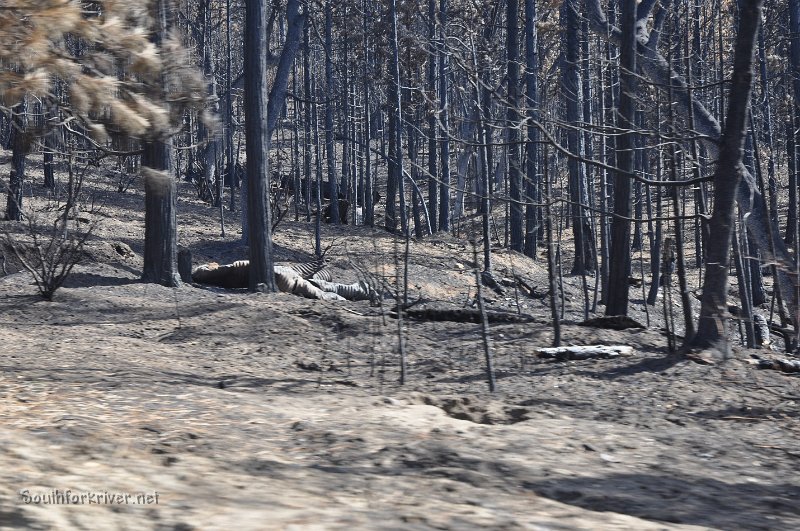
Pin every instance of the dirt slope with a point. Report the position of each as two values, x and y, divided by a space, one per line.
275 412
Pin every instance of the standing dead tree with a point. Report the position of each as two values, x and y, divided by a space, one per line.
620 269
655 67
38 41
711 330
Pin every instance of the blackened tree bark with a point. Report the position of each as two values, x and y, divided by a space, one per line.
572 90
228 118
792 138
317 167
656 68
700 224
711 330
531 148
262 276
767 128
50 146
791 157
295 19
620 265
513 117
212 140
391 177
444 116
483 169
160 215
333 183
433 126
369 204
19 148
794 48
308 144
160 211
396 132
345 118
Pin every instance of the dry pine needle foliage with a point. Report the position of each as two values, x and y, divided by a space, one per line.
117 79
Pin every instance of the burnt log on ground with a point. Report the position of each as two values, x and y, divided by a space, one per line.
612 322
584 352
524 287
463 315
310 280
228 276
779 364
357 291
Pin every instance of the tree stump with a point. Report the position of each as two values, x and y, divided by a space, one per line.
185 264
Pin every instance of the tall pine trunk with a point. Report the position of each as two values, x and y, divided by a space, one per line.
620 266
532 211
711 329
256 100
333 183
513 129
444 142
396 132
19 149
160 215
572 90
433 126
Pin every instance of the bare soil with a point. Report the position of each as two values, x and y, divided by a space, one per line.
268 411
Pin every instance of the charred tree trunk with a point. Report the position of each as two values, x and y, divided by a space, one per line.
19 149
369 204
262 274
794 117
657 69
230 160
160 216
333 183
397 132
295 20
532 185
444 142
308 144
433 126
50 145
711 326
572 87
620 266
513 129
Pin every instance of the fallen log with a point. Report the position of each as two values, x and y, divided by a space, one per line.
228 276
584 352
612 322
357 291
289 279
778 364
463 315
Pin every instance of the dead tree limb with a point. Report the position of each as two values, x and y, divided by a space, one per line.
655 67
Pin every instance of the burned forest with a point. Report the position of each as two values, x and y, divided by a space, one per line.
371 264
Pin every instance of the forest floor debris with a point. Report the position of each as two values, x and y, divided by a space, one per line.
279 412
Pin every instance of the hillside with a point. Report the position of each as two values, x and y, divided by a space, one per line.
278 412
